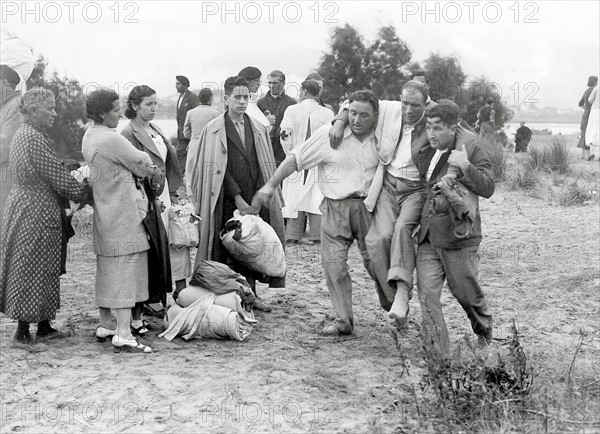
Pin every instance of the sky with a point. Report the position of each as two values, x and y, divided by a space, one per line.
537 52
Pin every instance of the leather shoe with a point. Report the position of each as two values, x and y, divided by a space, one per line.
129 345
102 333
262 306
333 330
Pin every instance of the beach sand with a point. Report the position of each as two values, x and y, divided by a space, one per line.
539 267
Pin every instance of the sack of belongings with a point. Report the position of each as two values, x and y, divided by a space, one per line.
183 226
254 243
217 304
200 313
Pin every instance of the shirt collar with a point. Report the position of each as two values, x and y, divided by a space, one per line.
348 133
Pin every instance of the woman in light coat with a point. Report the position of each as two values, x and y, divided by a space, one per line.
120 204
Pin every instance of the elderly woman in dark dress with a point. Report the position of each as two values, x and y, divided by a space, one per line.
120 203
32 229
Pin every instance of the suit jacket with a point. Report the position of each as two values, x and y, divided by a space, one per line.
477 178
209 172
189 100
169 168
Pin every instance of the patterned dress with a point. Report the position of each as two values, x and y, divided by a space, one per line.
32 228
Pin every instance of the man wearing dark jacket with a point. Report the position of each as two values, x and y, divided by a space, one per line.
441 254
273 105
187 100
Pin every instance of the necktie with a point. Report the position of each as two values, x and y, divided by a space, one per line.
240 130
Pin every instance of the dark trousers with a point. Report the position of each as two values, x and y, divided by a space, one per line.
182 148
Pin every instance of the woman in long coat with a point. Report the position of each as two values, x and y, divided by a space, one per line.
144 135
120 204
32 226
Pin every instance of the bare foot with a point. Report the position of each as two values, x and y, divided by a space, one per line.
399 309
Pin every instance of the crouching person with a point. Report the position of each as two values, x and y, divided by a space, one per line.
442 254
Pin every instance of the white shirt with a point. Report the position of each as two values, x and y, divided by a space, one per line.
402 166
436 157
345 171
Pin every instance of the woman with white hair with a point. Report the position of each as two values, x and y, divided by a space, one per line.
32 229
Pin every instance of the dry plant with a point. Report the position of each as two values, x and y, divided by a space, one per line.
475 393
524 176
495 151
551 157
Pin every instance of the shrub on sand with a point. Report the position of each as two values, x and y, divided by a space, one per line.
553 156
524 176
495 151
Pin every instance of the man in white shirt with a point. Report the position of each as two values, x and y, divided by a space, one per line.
301 193
345 176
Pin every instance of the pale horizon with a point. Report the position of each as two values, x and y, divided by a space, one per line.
544 63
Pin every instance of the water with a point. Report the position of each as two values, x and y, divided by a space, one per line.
511 128
169 127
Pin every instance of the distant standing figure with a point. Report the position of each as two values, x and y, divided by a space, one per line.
591 132
187 101
585 104
195 121
273 105
319 80
485 119
522 138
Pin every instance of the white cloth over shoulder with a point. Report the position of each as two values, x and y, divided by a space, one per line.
254 243
16 54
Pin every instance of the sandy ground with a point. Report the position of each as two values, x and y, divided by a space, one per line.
539 266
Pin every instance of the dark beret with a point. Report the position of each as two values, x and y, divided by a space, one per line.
9 74
183 80
250 73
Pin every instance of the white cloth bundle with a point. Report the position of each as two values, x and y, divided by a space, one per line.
201 314
254 243
183 226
